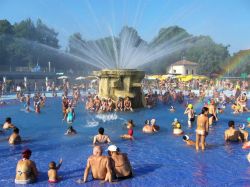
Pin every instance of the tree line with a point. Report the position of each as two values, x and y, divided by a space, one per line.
26 43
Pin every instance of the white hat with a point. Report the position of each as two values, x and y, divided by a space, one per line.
112 148
242 126
175 119
153 121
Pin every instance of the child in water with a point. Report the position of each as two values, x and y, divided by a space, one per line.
52 173
188 141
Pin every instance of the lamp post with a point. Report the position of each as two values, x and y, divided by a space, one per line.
49 66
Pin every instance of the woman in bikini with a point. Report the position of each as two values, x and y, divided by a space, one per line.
202 129
26 171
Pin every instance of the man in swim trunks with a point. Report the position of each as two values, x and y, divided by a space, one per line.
212 112
15 138
100 166
101 138
8 125
120 163
231 134
202 129
26 171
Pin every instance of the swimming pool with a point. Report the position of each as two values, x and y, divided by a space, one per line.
158 160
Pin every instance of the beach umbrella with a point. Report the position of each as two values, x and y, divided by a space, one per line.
63 77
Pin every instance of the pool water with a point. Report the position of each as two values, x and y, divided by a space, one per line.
160 159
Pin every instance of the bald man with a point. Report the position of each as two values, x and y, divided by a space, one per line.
100 166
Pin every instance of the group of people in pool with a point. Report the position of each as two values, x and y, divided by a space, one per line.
116 165
95 104
113 167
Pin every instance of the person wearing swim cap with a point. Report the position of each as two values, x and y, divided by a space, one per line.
188 141
190 113
177 127
26 171
147 128
155 127
120 163
99 165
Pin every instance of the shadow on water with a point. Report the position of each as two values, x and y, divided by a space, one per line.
140 170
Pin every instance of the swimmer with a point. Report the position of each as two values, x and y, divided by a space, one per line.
130 134
243 133
15 138
191 115
231 134
172 109
188 141
8 125
71 131
52 172
101 138
147 128
177 127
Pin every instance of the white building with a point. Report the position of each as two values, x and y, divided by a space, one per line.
183 67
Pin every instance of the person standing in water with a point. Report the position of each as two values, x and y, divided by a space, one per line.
202 129
190 113
69 115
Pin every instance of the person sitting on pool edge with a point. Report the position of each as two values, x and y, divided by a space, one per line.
188 141
231 134
101 137
100 166
8 125
26 171
120 163
15 138
52 172
130 134
127 105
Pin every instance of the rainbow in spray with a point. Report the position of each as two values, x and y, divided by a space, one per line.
237 60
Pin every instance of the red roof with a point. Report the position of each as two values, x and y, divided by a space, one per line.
185 62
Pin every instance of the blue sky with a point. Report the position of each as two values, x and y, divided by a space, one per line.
226 21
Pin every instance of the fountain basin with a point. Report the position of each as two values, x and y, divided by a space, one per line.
115 83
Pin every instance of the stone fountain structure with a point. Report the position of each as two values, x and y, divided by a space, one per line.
121 83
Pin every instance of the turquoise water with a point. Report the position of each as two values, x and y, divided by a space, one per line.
158 160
